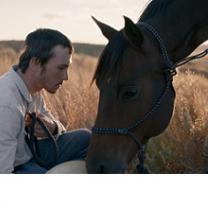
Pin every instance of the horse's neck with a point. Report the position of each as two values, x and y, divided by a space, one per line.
184 28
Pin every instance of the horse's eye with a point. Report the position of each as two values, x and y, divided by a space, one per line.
129 93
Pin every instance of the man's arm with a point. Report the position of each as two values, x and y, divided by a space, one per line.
55 126
10 123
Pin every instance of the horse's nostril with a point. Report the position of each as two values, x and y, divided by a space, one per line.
103 165
102 168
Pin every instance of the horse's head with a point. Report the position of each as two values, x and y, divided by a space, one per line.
131 80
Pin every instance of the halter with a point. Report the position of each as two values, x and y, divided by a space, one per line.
169 72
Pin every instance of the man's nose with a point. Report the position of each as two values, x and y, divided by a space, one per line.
65 75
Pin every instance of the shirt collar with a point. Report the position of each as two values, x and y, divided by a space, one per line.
21 85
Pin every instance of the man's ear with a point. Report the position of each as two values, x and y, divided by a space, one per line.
107 31
132 33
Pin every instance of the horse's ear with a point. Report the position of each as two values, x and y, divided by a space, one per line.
132 33
107 31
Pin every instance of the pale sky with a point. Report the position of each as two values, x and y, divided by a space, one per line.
72 17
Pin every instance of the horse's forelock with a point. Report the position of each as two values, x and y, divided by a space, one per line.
107 64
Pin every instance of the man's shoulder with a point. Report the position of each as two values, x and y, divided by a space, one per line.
7 80
9 94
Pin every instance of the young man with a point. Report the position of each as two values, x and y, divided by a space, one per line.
43 65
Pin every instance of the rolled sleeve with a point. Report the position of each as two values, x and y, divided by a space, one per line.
60 128
9 129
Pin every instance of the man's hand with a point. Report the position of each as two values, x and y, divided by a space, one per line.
51 125
39 132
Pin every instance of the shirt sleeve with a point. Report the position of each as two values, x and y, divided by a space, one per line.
9 129
44 110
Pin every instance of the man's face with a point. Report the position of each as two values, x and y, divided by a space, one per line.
56 70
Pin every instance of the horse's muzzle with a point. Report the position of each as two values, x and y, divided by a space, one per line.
97 166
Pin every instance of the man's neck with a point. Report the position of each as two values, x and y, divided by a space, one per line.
29 81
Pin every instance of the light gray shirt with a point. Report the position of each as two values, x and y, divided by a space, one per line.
15 102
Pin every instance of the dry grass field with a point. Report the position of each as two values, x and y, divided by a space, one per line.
182 148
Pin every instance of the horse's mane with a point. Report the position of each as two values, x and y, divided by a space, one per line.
155 7
114 49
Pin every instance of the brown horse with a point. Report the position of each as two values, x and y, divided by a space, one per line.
134 76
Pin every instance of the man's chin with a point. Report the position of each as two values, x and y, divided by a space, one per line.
51 91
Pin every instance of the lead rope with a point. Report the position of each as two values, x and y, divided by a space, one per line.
32 142
191 58
140 154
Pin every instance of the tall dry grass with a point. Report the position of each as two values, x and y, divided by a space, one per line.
178 150
7 57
